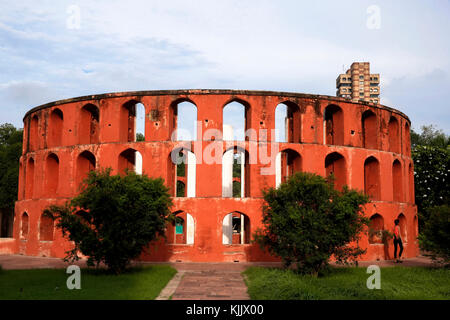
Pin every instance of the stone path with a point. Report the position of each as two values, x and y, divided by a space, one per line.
194 281
211 281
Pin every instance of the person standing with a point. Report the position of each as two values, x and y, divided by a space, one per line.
397 241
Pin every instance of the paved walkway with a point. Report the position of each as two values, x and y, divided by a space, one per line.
194 281
211 281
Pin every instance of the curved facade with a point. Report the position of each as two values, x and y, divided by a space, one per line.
216 178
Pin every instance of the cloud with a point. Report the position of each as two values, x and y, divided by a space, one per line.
266 45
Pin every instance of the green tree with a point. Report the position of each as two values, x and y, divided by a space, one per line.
10 152
435 236
114 217
306 221
431 156
430 136
140 137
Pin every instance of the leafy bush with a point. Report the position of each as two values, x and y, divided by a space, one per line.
306 221
114 217
140 137
431 154
435 236
431 178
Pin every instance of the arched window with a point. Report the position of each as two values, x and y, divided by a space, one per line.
182 229
403 227
394 137
369 130
46 227
182 172
288 122
29 185
24 228
235 120
89 124
130 159
132 122
335 164
236 228
333 125
55 131
372 178
397 181
183 121
85 163
52 174
34 133
287 163
235 169
376 228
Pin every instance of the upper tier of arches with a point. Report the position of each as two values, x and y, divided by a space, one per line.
209 115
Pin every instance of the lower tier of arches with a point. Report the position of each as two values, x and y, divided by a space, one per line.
208 230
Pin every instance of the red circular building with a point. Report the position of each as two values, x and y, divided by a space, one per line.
216 175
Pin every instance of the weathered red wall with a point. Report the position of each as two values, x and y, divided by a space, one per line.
208 208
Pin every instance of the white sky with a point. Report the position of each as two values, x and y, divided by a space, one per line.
298 46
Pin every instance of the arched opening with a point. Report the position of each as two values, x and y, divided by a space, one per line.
130 159
333 125
29 181
85 163
376 227
24 228
55 131
182 229
287 162
335 165
6 223
397 181
132 122
52 174
182 172
235 173
288 123
235 120
372 178
403 227
393 134
46 227
236 228
184 121
34 133
407 139
369 130
89 124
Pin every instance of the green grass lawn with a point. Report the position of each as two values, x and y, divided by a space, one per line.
348 283
47 284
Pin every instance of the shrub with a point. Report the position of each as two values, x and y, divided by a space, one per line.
306 221
114 217
435 236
